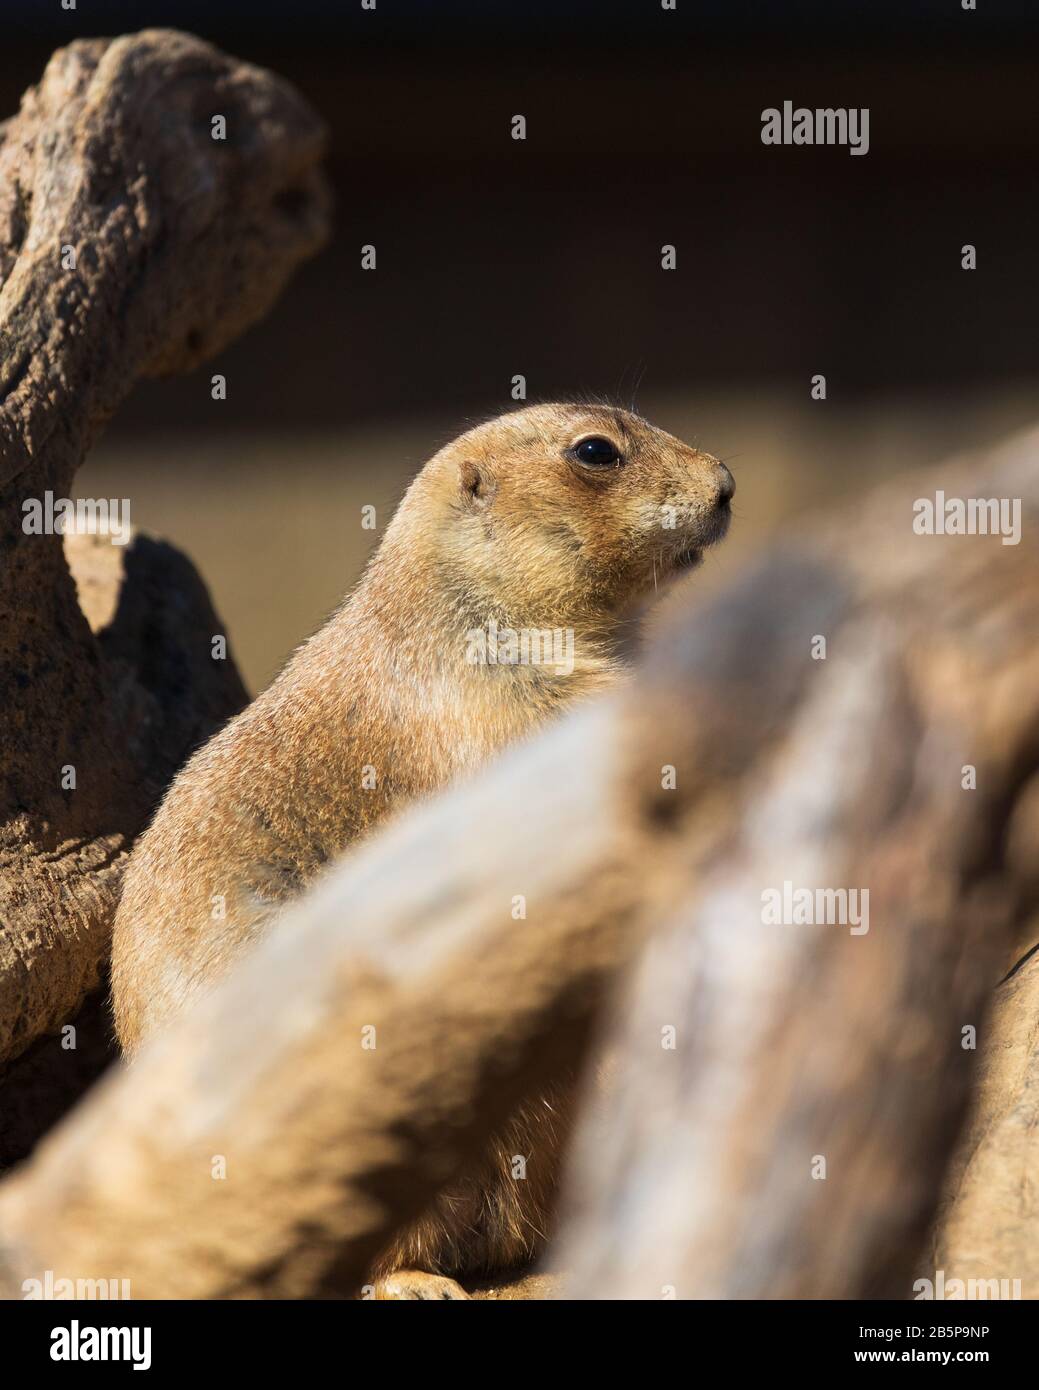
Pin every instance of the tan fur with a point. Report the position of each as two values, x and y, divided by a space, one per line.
502 524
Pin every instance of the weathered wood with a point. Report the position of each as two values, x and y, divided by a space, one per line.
151 619
330 1145
988 1226
131 243
801 1043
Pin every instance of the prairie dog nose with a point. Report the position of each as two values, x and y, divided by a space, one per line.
726 485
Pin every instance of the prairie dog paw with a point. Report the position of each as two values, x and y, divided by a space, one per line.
413 1283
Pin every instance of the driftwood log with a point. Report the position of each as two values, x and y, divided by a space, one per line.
329 1143
261 1148
988 1226
793 1142
132 243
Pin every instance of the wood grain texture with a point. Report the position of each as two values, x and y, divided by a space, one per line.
131 243
796 1043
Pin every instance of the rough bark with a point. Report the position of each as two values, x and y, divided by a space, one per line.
151 619
131 243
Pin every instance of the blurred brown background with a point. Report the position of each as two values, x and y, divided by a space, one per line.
542 257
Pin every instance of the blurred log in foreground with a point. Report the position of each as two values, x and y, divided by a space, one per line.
989 1224
794 1045
131 243
793 1142
333 1134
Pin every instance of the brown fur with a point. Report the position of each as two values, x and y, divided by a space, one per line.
502 524
488 1220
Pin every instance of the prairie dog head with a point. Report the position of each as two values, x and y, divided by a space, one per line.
564 511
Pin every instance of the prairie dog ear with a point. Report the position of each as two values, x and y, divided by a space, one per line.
478 488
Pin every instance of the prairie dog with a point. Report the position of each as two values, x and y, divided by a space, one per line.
546 521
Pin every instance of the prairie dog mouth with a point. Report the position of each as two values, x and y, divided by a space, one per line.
688 559
691 554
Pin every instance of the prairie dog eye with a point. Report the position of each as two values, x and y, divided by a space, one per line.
596 452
